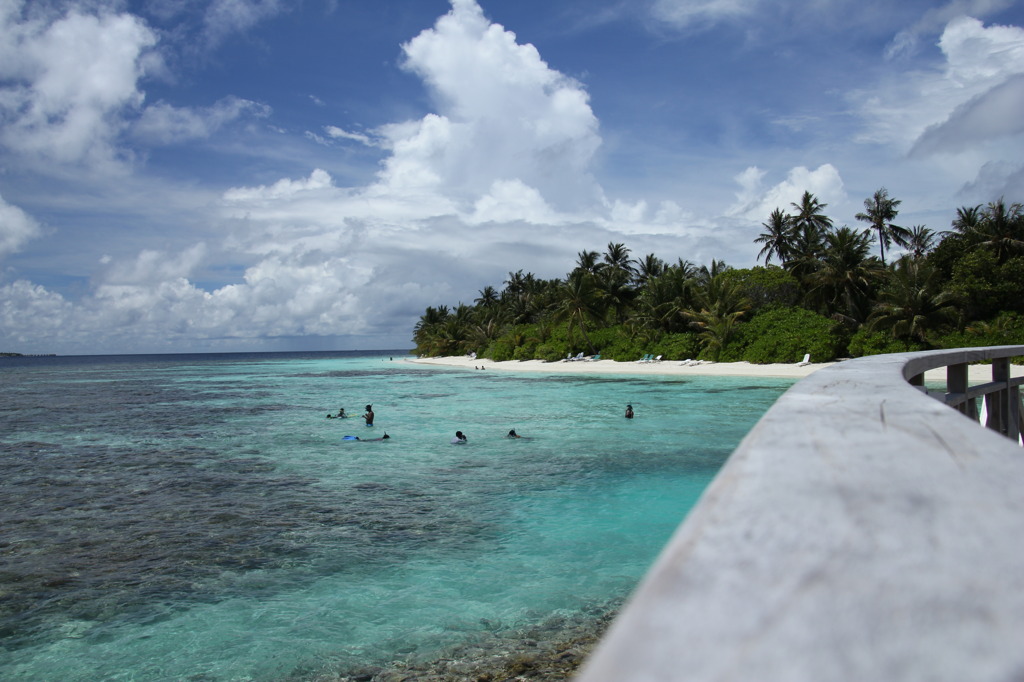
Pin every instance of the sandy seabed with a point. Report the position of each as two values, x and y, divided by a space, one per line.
978 373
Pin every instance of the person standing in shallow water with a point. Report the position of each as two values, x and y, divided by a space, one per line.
369 415
629 411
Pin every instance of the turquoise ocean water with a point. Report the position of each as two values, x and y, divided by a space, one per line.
196 517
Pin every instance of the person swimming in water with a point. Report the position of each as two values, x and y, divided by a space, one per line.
367 440
459 438
629 411
369 415
513 434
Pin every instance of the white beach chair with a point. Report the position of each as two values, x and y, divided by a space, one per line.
658 359
805 361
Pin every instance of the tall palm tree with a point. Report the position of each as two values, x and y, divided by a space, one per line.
705 274
806 250
427 332
809 225
967 218
488 297
663 303
810 214
721 305
580 304
1002 229
617 258
588 260
518 283
648 268
776 238
913 302
847 275
880 210
921 241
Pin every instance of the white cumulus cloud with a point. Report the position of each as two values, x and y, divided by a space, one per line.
755 202
65 83
503 115
16 228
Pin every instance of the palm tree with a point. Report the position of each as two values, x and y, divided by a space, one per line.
847 275
650 267
518 283
776 238
967 218
617 258
588 260
913 303
1002 229
880 211
704 275
721 305
921 241
580 303
488 297
809 225
663 303
810 214
427 332
805 253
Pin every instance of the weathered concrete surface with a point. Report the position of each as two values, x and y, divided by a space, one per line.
861 531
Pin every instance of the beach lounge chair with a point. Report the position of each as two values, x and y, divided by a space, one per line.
645 358
657 359
577 358
805 361
593 358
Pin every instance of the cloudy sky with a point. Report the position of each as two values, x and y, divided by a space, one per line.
230 175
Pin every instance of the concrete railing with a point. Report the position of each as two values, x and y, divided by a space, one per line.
861 531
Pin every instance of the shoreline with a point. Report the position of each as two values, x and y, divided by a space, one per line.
674 368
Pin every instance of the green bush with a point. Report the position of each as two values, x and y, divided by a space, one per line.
1006 329
517 340
621 347
681 346
550 352
866 342
786 335
987 287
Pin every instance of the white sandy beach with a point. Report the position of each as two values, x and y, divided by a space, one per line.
978 373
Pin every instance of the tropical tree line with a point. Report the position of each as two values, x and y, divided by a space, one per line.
825 290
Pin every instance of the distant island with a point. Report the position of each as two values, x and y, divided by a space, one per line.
30 355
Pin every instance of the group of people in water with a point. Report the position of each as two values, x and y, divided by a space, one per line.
458 439
368 415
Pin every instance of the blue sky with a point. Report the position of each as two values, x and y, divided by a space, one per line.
229 175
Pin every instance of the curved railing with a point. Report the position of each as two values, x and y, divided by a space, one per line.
861 531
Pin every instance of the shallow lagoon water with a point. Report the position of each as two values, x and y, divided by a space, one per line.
198 517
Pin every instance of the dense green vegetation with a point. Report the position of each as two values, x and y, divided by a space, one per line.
822 290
